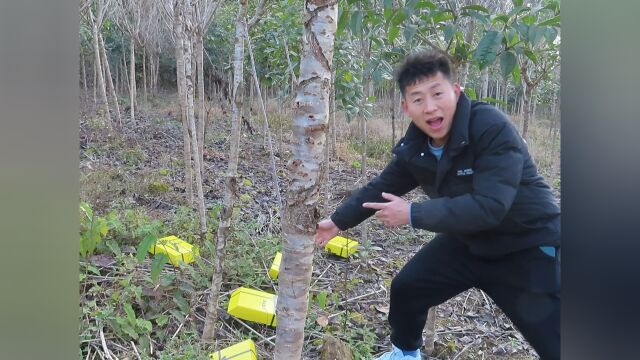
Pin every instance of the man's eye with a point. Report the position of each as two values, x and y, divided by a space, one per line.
438 93
417 101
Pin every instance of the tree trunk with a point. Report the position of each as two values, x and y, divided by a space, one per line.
144 73
274 173
484 91
201 98
527 111
112 90
84 79
132 79
103 103
187 49
95 85
294 81
430 331
393 116
182 100
231 191
306 168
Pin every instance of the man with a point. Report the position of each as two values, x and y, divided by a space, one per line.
497 221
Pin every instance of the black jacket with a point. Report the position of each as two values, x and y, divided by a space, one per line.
485 189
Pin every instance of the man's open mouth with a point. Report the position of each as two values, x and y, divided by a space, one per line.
435 123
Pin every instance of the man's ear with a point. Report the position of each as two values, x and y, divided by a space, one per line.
403 105
457 90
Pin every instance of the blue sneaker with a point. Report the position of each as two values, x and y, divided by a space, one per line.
397 354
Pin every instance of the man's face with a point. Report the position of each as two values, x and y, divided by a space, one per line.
430 104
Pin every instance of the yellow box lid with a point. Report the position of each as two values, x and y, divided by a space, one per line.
342 246
253 305
245 350
175 248
274 270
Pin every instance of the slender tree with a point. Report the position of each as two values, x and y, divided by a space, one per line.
231 191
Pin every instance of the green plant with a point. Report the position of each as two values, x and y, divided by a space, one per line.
156 188
93 229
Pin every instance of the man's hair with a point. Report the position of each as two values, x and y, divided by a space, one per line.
421 65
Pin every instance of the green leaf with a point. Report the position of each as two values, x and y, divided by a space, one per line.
356 21
535 34
442 17
531 55
388 14
409 31
410 5
131 315
157 265
551 22
423 4
86 208
471 93
476 7
162 319
144 326
502 18
398 18
529 19
180 301
517 2
393 33
517 10
128 329
487 49
550 34
322 299
144 246
114 247
388 4
342 21
449 31
507 63
516 75
347 76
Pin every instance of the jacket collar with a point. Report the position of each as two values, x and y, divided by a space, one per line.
459 133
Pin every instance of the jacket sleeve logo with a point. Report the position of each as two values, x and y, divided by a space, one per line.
464 172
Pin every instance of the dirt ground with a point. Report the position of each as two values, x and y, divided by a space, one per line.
350 297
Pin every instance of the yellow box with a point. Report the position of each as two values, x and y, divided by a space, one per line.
176 249
245 350
275 266
342 246
253 305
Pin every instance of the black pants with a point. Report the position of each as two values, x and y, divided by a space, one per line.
524 284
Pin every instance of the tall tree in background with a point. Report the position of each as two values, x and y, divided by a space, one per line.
96 17
231 179
306 167
203 14
129 17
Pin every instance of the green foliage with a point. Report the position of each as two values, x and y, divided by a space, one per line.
356 164
93 229
487 49
249 253
134 156
156 188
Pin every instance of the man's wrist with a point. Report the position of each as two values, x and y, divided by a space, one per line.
410 223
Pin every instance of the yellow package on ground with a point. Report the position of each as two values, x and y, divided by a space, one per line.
253 305
176 249
245 350
274 270
342 246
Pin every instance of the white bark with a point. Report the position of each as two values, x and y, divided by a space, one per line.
306 167
231 194
112 90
